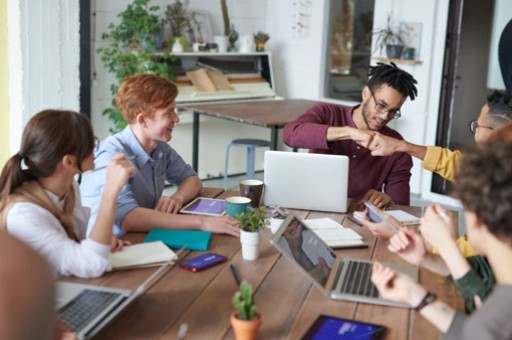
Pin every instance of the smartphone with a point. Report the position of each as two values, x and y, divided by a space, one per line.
374 216
330 327
202 262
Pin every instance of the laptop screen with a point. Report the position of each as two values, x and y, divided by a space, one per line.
306 249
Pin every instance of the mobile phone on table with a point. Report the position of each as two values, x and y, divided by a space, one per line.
331 327
202 262
376 217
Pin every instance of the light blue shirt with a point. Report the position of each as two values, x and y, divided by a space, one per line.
142 190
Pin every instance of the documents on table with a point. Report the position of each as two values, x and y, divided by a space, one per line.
334 234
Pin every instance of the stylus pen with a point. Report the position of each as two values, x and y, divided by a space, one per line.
354 220
235 273
392 226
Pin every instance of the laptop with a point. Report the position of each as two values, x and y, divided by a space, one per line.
86 309
339 278
306 181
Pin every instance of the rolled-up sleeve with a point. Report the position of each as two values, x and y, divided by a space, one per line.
309 131
442 161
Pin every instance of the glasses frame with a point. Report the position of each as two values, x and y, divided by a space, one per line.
96 144
381 109
473 125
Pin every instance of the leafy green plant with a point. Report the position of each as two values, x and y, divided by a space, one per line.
131 50
252 220
261 37
243 301
388 35
178 17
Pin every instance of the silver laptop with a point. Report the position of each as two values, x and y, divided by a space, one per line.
306 181
86 309
339 278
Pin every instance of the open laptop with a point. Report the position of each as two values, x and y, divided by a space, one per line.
306 181
339 278
86 309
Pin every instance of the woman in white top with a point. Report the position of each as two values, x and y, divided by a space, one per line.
40 201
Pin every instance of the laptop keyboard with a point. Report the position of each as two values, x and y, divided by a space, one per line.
80 311
357 280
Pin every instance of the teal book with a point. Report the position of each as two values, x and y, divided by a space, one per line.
193 239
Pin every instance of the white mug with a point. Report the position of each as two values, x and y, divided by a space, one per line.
222 43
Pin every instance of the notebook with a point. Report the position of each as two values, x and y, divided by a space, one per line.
192 239
141 255
306 181
405 219
86 309
334 234
339 278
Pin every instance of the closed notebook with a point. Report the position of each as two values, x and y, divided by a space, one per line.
141 255
192 239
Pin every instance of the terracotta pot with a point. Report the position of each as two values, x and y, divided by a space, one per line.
246 329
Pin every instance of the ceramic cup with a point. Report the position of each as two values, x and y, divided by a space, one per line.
222 43
252 188
236 205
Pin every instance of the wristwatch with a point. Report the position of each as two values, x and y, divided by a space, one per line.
427 300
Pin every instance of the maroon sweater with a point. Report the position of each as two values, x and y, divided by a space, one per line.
391 173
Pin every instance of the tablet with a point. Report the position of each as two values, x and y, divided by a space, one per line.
331 327
205 206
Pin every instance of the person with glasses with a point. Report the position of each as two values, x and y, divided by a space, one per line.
148 104
342 130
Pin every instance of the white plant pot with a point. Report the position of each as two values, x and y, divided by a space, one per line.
250 245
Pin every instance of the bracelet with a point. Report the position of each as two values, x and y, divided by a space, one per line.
427 299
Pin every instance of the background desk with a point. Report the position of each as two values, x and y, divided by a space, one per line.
287 300
272 114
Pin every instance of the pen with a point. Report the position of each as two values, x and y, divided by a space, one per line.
235 273
354 220
392 226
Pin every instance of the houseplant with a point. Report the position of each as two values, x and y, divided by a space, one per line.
390 38
179 19
251 222
245 320
260 40
131 50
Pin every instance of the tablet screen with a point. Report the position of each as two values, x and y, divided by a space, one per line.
205 206
330 327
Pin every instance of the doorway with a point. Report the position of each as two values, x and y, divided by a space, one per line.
464 89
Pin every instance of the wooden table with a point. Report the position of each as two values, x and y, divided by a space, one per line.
288 301
272 114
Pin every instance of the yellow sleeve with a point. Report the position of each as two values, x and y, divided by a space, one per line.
465 247
442 161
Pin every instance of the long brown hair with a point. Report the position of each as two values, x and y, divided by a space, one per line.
47 138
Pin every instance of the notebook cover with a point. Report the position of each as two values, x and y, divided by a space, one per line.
194 239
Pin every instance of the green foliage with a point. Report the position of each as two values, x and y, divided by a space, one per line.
225 17
252 220
243 301
261 37
178 17
131 50
388 35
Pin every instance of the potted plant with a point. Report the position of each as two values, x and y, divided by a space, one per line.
179 19
245 320
260 39
389 38
251 222
409 53
131 50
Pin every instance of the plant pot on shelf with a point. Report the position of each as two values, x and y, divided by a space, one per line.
250 241
246 329
394 51
409 53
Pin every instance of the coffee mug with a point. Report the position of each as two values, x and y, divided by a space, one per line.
252 188
236 205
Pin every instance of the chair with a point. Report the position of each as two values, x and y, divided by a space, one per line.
251 145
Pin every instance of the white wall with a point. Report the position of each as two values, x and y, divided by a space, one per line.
43 40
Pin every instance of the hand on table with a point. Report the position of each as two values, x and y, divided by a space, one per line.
222 225
170 204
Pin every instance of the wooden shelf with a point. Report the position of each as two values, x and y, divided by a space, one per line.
401 61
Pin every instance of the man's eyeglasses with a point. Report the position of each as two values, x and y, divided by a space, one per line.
473 125
382 109
96 144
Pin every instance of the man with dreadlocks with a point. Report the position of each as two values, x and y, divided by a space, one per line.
341 130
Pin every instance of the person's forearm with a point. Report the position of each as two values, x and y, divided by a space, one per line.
189 189
144 219
417 151
439 314
455 261
435 263
338 133
102 230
